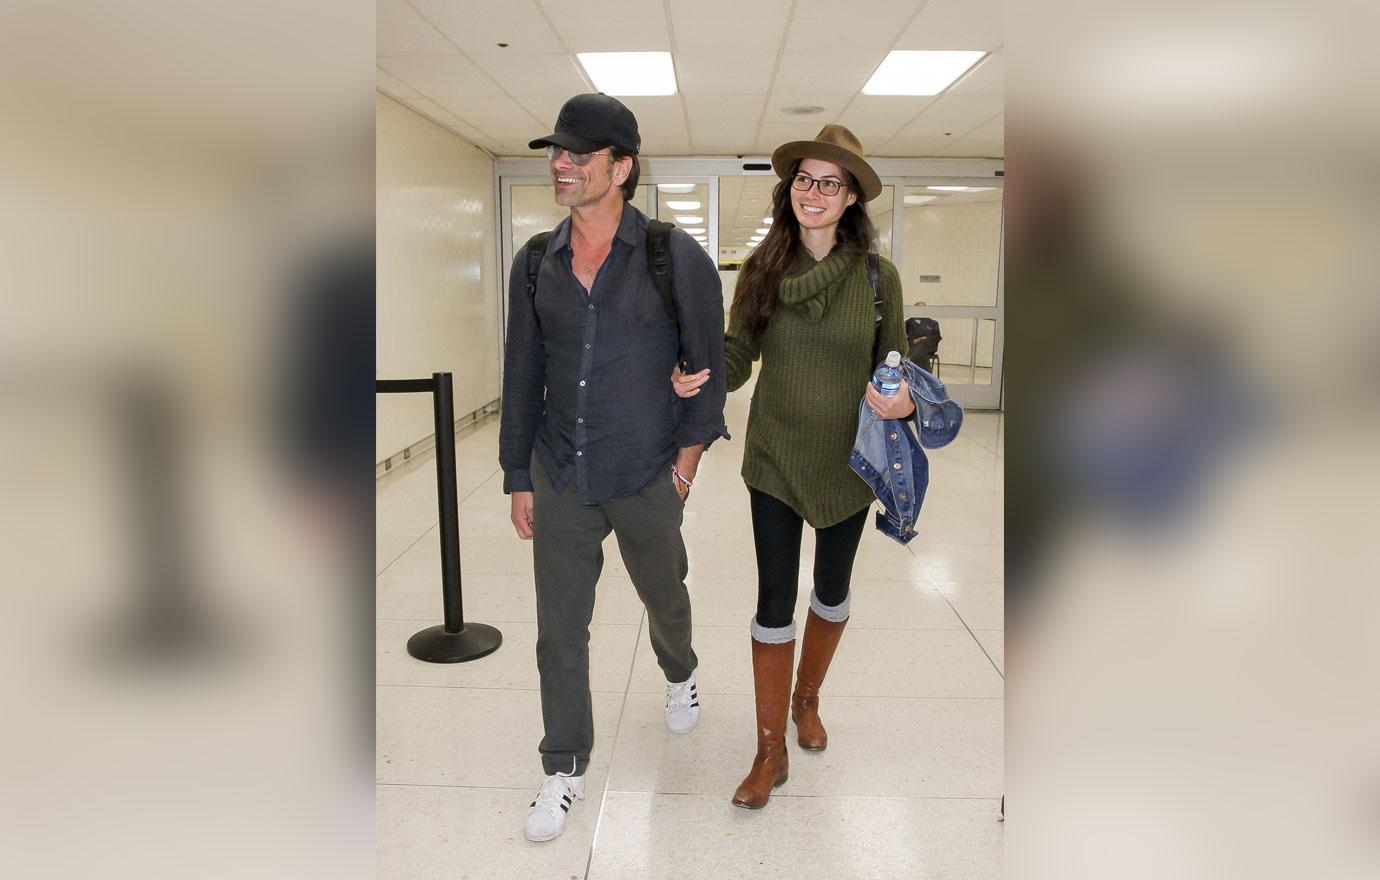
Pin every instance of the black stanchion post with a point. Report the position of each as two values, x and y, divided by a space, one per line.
453 641
443 402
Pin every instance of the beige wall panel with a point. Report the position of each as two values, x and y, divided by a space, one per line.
438 287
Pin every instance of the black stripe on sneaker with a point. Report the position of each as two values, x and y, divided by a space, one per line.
532 804
565 807
695 705
566 798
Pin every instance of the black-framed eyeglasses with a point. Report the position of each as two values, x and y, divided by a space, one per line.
827 187
553 153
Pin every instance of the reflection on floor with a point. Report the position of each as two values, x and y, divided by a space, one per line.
908 787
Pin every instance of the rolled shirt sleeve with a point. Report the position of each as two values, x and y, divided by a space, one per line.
700 312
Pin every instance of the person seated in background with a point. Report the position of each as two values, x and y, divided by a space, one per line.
922 337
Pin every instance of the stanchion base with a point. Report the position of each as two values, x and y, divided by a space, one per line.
435 645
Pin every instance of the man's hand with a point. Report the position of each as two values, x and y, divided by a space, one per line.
688 463
522 514
688 384
898 406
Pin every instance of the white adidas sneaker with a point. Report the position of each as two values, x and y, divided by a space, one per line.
682 706
546 818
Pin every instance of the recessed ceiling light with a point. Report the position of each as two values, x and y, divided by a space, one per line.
919 200
630 74
695 230
677 205
691 219
948 189
802 110
919 73
676 187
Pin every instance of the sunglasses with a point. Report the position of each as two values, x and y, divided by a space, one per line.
827 187
553 153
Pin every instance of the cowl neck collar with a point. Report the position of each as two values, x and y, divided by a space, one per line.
812 283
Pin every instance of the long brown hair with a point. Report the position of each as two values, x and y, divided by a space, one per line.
755 295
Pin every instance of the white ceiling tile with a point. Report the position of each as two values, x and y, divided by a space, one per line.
995 128
392 85
495 112
790 96
976 148
837 73
929 33
966 10
988 78
431 111
884 109
732 139
544 107
773 135
842 33
478 26
729 25
658 117
527 74
707 111
724 73
666 146
401 31
863 10
600 26
440 76
959 114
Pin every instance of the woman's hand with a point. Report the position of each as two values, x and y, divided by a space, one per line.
688 384
898 406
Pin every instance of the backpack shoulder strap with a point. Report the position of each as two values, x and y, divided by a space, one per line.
659 261
536 251
874 275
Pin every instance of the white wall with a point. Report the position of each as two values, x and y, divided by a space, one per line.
438 286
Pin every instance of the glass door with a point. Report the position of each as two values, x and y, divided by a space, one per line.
950 258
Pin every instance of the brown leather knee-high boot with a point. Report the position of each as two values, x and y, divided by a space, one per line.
821 638
771 675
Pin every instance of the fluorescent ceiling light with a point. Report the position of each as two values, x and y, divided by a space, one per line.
630 74
948 189
919 73
677 205
676 187
766 221
762 231
919 200
695 230
692 219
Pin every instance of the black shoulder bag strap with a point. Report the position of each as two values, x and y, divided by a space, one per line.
536 252
874 275
659 261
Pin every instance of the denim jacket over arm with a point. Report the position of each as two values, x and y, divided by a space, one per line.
890 458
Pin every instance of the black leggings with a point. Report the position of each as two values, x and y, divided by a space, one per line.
776 530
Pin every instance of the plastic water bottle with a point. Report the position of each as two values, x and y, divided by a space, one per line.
888 375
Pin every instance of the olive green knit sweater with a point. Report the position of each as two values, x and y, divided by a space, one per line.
816 361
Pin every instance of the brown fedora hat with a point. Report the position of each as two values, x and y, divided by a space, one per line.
836 144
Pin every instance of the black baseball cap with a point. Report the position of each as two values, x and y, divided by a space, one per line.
588 122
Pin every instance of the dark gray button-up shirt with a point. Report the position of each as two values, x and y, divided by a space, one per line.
587 376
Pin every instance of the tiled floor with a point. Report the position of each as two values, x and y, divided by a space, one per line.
908 787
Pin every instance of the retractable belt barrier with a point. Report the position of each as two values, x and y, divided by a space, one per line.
454 641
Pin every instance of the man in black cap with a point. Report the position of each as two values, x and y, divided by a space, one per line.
593 438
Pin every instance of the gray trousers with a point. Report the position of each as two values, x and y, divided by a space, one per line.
568 555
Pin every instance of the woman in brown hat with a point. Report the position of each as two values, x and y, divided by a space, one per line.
804 305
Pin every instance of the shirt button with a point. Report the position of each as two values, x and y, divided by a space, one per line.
903 496
579 452
586 346
591 307
580 420
896 466
893 435
582 383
